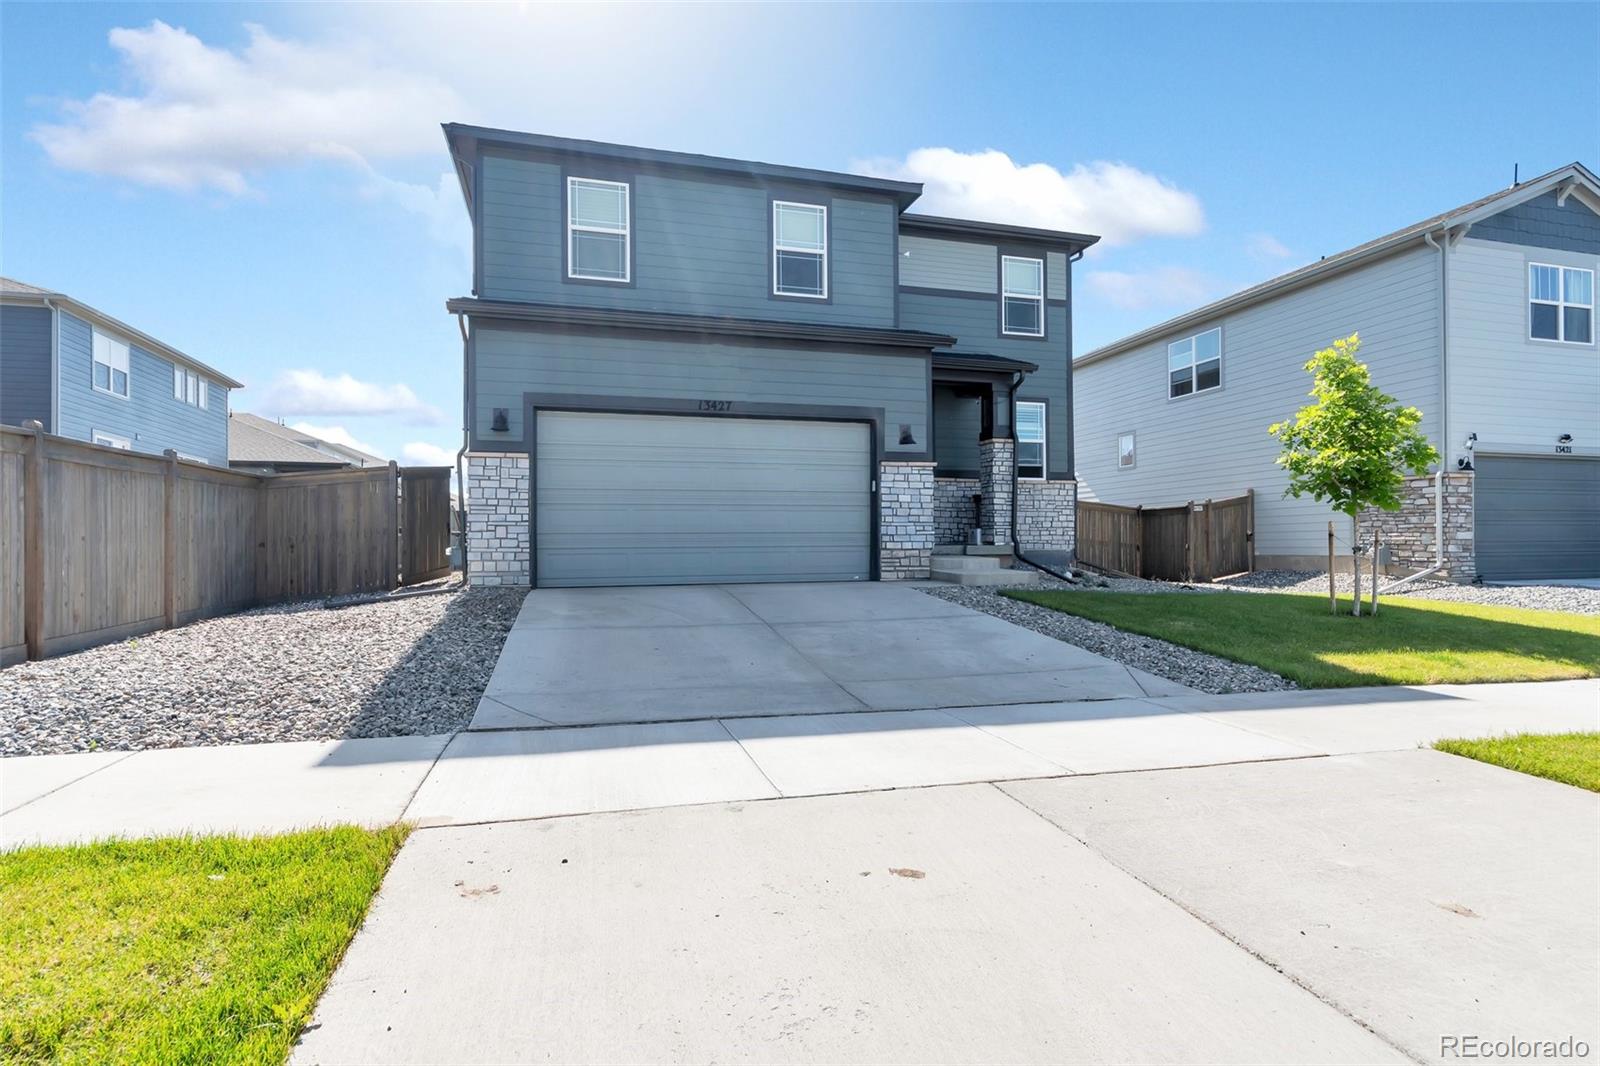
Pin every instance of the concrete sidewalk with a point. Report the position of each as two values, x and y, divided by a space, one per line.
487 776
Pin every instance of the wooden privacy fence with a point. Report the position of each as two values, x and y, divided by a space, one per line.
99 544
1194 541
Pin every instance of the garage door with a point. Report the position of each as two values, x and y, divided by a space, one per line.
1537 517
668 500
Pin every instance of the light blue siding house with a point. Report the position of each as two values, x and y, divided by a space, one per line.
685 368
85 375
1482 317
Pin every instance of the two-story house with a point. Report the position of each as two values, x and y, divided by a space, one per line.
85 375
1482 317
683 368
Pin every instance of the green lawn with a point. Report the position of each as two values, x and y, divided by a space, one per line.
179 950
1410 642
1571 758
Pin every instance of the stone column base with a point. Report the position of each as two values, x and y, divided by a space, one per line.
497 520
996 461
905 520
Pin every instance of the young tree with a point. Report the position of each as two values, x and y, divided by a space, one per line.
1351 448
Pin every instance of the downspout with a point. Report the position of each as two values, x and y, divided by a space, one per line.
466 439
1444 413
55 365
1016 544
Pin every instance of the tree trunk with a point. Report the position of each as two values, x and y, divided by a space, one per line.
1355 564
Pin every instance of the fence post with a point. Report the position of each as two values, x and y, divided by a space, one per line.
33 542
1250 527
169 543
393 570
1211 570
1188 541
1333 592
1138 541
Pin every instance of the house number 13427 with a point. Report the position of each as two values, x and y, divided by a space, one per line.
716 405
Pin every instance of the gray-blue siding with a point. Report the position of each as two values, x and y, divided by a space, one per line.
1541 223
151 417
974 320
25 364
700 246
509 362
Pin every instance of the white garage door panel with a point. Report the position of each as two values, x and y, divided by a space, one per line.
659 499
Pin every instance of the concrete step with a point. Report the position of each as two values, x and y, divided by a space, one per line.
967 562
995 576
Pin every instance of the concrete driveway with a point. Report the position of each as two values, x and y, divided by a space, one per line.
625 655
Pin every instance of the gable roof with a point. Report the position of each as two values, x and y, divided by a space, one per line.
1572 177
15 291
253 439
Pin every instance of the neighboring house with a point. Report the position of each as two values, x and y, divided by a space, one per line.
682 368
262 446
1490 307
85 375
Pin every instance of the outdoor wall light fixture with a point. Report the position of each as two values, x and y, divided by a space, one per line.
905 434
1472 440
1565 438
502 421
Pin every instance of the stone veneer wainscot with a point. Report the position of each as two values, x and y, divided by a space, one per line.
497 519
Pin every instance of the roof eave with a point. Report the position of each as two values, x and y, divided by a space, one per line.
974 227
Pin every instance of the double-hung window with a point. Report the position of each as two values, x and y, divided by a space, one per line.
799 250
1194 364
110 365
598 234
1030 440
1127 455
1021 296
1560 304
189 387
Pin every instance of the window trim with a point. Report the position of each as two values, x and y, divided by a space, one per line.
1134 451
1042 298
1193 364
778 246
573 227
127 371
1560 304
1043 441
110 440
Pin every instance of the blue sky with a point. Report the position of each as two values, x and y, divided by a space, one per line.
263 186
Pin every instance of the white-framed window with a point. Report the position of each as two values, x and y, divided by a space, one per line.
1127 455
598 237
1021 296
110 440
1560 303
1031 439
110 371
190 388
799 250
1194 364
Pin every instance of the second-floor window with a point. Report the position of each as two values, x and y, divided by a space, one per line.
1560 304
1194 364
189 387
597 230
110 365
799 250
1030 440
1021 296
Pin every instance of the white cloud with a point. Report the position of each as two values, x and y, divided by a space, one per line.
1266 246
1163 287
1119 202
421 453
335 435
440 206
309 392
206 117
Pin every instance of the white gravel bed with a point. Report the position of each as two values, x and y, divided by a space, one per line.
306 671
1537 597
1198 670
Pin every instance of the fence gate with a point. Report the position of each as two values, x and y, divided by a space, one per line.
1194 541
424 523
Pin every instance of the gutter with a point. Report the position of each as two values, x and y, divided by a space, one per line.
466 440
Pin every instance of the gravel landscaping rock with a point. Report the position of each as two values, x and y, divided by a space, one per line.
1536 597
1207 673
403 665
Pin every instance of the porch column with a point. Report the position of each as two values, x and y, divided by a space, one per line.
996 457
